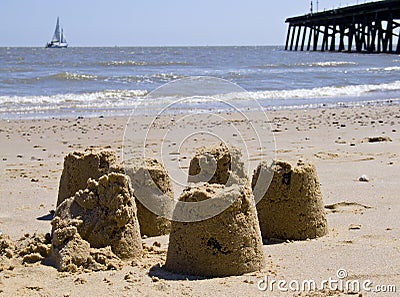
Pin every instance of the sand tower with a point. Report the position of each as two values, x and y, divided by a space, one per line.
292 207
228 243
79 167
217 164
100 216
149 180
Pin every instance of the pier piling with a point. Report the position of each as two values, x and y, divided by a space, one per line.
370 27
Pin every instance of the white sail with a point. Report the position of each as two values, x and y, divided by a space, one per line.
63 39
56 35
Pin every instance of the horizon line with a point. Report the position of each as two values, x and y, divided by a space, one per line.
212 45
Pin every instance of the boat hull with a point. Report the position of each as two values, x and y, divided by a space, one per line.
57 45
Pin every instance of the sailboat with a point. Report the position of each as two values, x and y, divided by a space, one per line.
58 40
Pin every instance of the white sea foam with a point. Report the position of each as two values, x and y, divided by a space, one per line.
327 64
388 69
103 97
72 76
142 63
111 100
114 96
313 64
323 92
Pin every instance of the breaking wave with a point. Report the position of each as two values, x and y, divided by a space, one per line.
143 63
72 76
95 99
109 101
332 91
327 64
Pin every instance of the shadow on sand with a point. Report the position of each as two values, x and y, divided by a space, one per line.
161 273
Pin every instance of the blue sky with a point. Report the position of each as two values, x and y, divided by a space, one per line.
153 22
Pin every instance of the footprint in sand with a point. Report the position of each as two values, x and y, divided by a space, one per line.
326 155
349 207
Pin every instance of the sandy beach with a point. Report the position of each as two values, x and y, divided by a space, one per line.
345 144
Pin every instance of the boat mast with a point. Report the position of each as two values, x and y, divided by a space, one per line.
59 32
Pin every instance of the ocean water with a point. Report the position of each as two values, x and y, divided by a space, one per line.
45 83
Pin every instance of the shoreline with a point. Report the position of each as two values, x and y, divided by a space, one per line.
334 139
267 105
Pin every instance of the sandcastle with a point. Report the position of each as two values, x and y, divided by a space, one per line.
292 207
149 180
98 225
95 225
217 164
79 167
228 243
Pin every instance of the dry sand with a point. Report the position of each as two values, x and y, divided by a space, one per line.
344 144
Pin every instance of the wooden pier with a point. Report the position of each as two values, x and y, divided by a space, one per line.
371 27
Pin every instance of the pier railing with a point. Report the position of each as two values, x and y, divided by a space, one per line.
371 27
